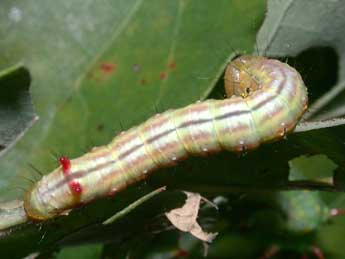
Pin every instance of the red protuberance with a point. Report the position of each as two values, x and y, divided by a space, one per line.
65 165
75 187
66 169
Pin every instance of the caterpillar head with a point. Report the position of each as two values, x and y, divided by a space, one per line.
240 79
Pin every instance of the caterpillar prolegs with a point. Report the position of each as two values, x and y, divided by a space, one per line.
266 100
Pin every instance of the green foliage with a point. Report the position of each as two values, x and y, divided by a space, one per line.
17 113
100 66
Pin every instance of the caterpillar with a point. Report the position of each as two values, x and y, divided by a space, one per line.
266 100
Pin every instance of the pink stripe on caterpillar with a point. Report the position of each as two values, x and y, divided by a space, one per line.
130 137
66 169
272 98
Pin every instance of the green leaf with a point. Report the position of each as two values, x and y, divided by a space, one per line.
86 252
294 26
100 66
16 110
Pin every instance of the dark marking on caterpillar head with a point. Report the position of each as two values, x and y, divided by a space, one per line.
108 68
238 79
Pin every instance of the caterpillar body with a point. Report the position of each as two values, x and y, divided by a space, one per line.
267 98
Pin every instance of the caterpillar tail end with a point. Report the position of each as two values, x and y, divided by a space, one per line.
12 213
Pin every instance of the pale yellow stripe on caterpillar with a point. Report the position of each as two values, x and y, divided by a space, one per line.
148 148
195 128
232 121
289 93
132 157
161 139
213 112
271 97
176 121
273 111
182 122
118 181
91 161
202 128
278 93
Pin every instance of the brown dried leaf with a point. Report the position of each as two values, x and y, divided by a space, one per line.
185 218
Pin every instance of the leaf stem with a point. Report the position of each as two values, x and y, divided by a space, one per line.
133 205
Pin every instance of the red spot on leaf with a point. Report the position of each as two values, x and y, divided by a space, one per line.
143 82
65 164
162 75
172 65
75 187
108 67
